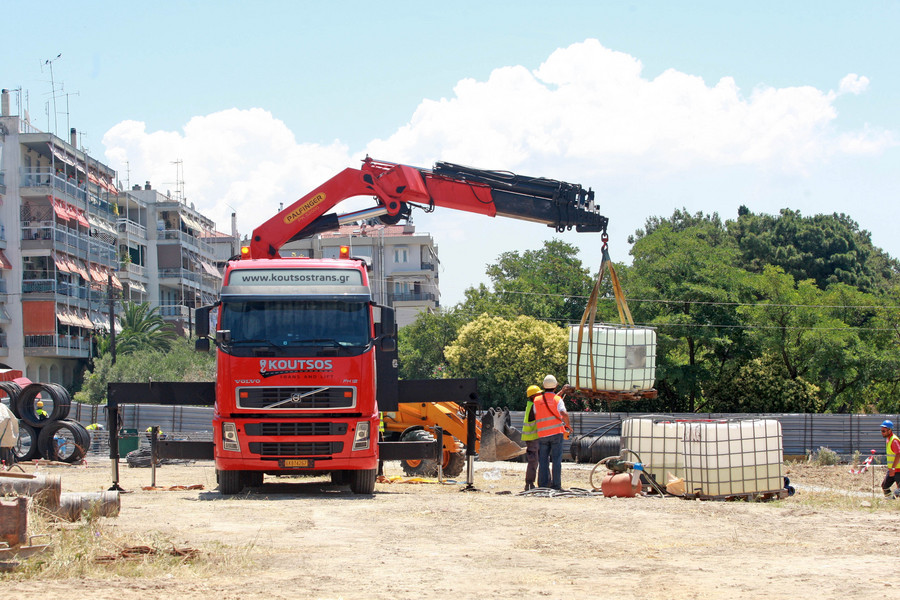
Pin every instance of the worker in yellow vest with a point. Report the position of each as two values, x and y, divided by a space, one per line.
892 449
530 437
40 413
552 422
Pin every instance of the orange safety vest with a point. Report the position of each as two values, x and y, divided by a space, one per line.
547 416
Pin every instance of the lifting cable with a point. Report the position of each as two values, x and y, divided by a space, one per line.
590 312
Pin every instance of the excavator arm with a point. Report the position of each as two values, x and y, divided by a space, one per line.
397 188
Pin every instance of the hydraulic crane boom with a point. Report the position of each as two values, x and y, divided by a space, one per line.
397 188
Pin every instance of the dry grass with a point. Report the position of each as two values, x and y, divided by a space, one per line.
93 548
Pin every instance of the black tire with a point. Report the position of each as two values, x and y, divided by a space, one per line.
230 482
340 477
26 447
455 464
363 482
11 391
426 467
254 478
64 441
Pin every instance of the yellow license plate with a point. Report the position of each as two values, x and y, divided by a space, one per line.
296 463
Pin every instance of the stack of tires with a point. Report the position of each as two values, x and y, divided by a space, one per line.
53 436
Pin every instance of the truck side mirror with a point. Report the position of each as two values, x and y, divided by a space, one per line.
201 320
201 344
387 344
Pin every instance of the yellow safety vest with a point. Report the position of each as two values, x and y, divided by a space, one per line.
529 428
889 451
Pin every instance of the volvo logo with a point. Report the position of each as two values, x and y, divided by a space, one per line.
296 398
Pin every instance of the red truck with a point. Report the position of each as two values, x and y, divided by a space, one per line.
305 358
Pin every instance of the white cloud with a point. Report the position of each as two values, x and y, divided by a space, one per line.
588 114
591 108
854 84
241 159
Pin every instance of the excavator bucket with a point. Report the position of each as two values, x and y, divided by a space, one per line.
496 444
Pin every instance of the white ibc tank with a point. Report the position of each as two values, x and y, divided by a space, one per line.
658 444
624 358
733 458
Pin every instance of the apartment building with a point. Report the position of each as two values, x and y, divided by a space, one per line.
404 263
73 245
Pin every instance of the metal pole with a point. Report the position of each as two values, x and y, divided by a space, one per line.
471 406
154 436
112 316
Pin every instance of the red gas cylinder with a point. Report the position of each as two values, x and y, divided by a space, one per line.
618 485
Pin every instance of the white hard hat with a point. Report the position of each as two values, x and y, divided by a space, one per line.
550 382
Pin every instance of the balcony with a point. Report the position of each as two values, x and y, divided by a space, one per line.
412 297
131 229
174 311
179 274
57 345
174 235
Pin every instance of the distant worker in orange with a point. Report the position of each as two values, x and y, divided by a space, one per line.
552 422
530 437
892 449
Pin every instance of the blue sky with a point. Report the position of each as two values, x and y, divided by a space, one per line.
655 105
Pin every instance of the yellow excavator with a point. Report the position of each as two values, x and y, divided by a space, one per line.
495 437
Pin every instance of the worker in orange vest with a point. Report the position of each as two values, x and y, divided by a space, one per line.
552 422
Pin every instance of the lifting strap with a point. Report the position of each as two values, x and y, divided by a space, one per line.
590 313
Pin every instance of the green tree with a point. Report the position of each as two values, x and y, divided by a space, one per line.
825 248
508 355
682 274
142 329
421 344
180 362
549 283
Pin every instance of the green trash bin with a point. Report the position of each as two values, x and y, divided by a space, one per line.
129 440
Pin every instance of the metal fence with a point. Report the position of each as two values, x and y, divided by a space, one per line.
802 433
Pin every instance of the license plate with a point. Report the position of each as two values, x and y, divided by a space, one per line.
295 463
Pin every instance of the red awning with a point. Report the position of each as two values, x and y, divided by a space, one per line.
4 262
61 264
59 207
96 273
79 214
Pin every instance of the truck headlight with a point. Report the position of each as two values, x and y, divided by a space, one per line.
361 438
230 437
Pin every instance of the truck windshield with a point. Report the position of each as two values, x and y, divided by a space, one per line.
296 324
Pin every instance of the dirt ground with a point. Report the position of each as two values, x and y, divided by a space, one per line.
303 538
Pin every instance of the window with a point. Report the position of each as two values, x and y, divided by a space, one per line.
401 254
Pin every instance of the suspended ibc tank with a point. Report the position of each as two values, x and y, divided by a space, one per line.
733 458
612 358
659 445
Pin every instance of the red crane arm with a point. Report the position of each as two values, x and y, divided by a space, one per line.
395 187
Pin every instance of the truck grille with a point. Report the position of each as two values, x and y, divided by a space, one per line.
296 398
291 429
296 448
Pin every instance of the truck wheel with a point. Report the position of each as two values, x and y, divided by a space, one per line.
340 478
455 464
254 478
230 482
363 482
426 467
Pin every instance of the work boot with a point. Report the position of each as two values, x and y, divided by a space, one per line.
529 486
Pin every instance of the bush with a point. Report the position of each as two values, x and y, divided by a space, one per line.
824 457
